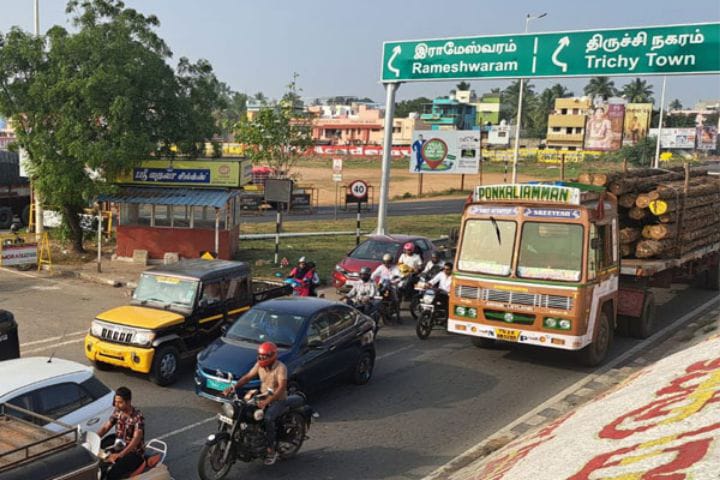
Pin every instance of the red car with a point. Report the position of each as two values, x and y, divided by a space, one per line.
370 252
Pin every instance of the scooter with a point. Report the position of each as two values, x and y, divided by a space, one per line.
153 466
433 313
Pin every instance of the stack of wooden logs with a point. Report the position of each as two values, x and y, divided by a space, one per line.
663 213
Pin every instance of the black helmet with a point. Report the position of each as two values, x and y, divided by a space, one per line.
364 271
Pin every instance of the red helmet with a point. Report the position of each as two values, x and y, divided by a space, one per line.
267 354
409 246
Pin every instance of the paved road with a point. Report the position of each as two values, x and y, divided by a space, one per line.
424 207
428 401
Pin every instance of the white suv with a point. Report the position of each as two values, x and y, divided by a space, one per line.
60 389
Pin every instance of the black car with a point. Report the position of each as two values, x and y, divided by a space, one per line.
317 339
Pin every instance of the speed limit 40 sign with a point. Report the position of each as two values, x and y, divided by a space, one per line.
357 192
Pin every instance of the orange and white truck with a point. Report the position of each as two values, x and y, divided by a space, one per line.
539 264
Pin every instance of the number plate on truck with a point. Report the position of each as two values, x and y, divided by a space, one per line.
507 335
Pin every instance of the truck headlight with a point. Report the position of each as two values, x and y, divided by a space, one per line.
551 322
143 337
96 329
564 324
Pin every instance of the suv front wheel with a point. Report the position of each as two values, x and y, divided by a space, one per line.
165 365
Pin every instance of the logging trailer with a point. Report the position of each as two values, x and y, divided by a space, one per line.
540 264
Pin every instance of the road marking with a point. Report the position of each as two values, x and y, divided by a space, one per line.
45 287
472 451
20 273
385 355
186 428
52 339
50 347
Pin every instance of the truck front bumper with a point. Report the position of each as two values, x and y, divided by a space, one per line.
512 334
135 358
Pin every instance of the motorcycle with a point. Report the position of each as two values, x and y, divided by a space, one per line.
433 313
241 434
371 309
153 466
389 302
297 286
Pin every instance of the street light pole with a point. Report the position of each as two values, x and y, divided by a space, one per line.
38 201
528 17
390 89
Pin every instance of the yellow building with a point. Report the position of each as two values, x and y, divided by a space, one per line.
566 125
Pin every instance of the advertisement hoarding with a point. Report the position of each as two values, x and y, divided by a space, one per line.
604 127
190 173
677 138
499 135
25 254
637 122
449 151
706 138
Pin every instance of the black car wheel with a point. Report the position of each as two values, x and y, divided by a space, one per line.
363 370
424 325
165 365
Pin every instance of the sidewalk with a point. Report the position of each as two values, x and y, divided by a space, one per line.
661 422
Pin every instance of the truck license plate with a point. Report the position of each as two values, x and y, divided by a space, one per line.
507 335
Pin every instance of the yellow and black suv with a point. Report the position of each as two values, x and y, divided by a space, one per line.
176 310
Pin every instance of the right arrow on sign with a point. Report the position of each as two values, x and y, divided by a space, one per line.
562 43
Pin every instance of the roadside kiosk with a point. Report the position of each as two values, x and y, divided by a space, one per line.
187 207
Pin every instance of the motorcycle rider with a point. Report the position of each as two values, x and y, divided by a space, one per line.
433 267
443 281
363 293
410 259
385 271
304 276
273 376
129 426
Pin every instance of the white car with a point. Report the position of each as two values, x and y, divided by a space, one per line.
60 389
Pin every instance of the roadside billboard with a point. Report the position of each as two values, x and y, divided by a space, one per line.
190 173
706 138
677 138
499 135
604 127
637 122
445 151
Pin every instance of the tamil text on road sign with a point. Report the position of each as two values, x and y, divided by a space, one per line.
445 151
676 49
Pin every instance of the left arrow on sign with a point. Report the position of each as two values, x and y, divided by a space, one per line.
396 51
562 43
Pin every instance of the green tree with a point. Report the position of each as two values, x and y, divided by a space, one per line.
675 105
600 87
99 98
260 98
278 136
406 107
509 103
637 91
463 86
233 107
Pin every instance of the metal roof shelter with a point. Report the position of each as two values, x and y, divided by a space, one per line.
170 196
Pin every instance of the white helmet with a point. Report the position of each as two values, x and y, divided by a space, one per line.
301 260
387 258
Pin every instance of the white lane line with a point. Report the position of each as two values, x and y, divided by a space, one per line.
52 339
186 428
441 473
50 347
30 275
385 355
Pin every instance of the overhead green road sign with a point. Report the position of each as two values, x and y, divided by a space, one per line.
666 50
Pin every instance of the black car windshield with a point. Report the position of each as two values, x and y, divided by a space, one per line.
259 325
165 290
374 250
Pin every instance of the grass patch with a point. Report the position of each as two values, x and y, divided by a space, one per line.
327 251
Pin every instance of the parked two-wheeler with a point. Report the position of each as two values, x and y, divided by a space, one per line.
241 434
153 466
433 312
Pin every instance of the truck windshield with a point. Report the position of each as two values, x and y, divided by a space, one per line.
551 251
487 246
165 290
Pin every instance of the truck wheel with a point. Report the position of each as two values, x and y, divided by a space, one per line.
712 278
6 217
595 353
165 365
623 325
642 327
482 342
25 215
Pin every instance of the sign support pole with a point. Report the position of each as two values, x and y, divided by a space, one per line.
420 184
336 199
517 132
357 225
656 162
278 219
390 89
99 240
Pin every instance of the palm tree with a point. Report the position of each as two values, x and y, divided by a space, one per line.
675 105
545 105
637 91
510 102
463 86
600 87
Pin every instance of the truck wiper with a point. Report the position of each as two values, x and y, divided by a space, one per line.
497 229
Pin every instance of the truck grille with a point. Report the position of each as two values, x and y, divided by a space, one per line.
558 302
116 335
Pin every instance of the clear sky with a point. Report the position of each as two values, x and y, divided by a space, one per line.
335 45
